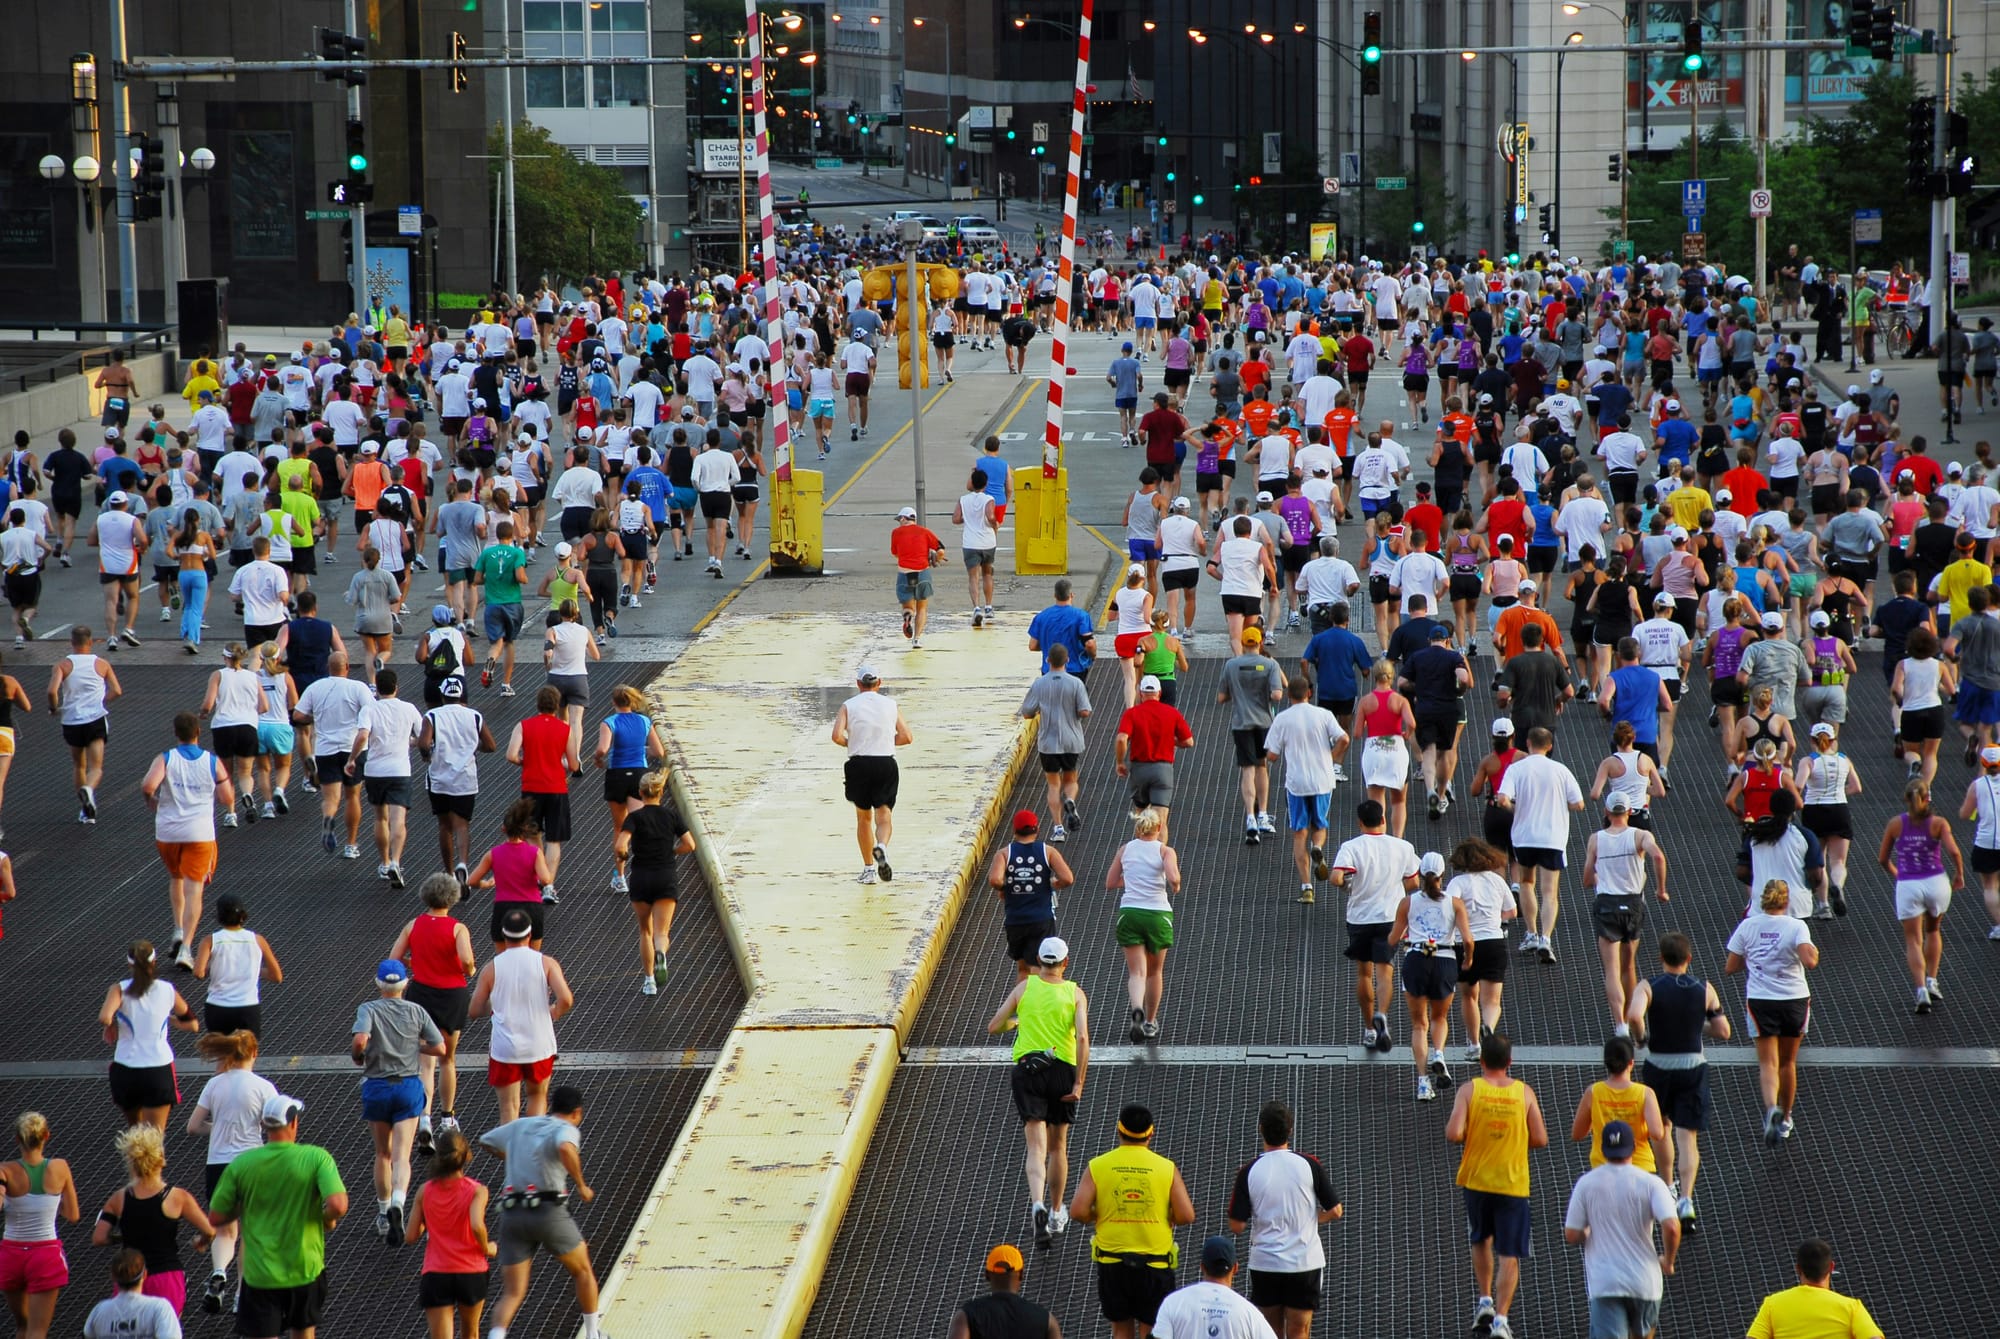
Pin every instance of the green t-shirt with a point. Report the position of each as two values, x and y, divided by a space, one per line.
277 1191
500 567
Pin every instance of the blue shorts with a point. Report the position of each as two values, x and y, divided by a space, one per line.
821 408
503 622
1126 402
1976 705
1143 550
1708 376
1500 1219
912 586
275 739
795 398
1623 1317
392 1100
684 499
1307 813
1144 322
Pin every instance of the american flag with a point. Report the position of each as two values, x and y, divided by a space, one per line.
1132 90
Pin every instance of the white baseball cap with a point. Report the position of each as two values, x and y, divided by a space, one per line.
1502 725
910 514
1052 951
1149 684
1772 620
1432 863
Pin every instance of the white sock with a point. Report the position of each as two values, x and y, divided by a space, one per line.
497 1332
590 1330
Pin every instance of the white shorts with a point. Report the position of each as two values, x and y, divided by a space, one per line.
1923 897
1385 762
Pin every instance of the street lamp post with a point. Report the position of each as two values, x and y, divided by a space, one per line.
1556 213
84 166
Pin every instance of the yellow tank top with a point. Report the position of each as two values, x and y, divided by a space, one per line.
1496 1140
1047 1015
1134 1188
1608 1104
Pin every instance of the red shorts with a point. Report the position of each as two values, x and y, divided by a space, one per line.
33 1266
501 1073
999 512
1127 644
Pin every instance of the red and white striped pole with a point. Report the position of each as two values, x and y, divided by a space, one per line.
767 232
1059 347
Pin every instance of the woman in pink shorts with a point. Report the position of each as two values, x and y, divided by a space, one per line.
33 1269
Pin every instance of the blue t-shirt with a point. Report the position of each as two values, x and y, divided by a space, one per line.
1897 619
1637 700
1545 536
653 490
1675 439
996 476
1065 625
629 732
1613 399
1696 325
1510 348
1340 662
1125 377
120 472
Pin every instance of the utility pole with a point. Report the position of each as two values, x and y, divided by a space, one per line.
121 129
173 231
1944 209
1757 284
511 255
357 213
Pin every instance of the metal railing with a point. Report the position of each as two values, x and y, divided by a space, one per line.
82 359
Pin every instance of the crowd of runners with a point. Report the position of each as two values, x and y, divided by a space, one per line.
1725 536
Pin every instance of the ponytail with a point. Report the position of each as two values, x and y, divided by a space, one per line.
1433 886
145 969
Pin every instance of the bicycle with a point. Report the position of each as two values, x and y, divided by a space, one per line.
1892 326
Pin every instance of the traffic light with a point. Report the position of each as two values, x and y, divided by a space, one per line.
1171 175
1256 180
339 46
1371 52
1010 132
1198 199
1959 162
1416 227
460 76
950 138
149 176
357 147
853 113
1919 125
1548 220
1616 171
1692 60
1161 142
1882 32
1860 24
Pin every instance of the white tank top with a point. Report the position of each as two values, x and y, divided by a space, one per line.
1432 920
142 1026
1621 870
1631 785
1145 876
186 811
1920 685
871 726
275 711
83 692
234 963
978 532
235 698
32 1218
1131 603
1986 790
1826 779
523 1032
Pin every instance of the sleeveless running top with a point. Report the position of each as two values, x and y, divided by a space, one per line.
1462 554
1824 658
523 1032
142 1024
1507 759
1382 719
275 712
1986 791
434 952
1760 728
450 1247
1145 877
308 642
1628 1104
1047 1017
1297 513
1631 785
1131 604
1826 779
1506 577
31 1218
1920 685
83 692
234 964
514 872
1759 785
1030 895
1674 1019
185 803
147 1229
1496 1145
1917 850
1621 870
1143 522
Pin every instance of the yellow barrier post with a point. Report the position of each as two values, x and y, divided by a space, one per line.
798 524
1041 523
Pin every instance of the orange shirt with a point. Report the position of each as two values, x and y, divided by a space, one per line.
913 546
1232 434
1459 426
1257 413
1255 374
1339 425
1507 632
369 478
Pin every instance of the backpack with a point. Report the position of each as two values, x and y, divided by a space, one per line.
441 658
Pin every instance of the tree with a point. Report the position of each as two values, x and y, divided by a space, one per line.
1393 214
574 217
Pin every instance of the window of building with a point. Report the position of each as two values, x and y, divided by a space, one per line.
618 86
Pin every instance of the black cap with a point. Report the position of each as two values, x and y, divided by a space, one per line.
1218 1254
1618 1141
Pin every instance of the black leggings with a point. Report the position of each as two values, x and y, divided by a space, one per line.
602 584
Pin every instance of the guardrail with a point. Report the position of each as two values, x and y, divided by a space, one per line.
79 361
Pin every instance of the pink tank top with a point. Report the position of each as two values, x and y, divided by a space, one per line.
1382 719
514 873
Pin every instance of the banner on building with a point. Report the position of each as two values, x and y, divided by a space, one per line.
1324 241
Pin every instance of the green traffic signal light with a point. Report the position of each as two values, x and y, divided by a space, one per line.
357 162
1693 61
1010 134
1200 199
1161 141
950 138
1171 175
1417 226
852 119
1371 54
1513 258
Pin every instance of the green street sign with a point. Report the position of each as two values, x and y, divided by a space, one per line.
798 92
1089 140
325 215
1392 183
1621 251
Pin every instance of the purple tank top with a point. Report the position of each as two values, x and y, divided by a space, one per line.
1728 651
514 873
1297 512
1917 855
1208 456
1464 557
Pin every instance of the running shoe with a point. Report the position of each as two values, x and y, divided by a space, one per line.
618 883
1994 933
252 811
867 874
1500 1329
463 876
1339 774
1059 1221
978 619
1932 989
1251 837
185 959
426 1142
1836 897
382 873
326 838
1368 1039
1823 912
1713 718
447 1122
1043 1237
1425 1093
308 784
881 854
167 615
1785 1128
1772 1120
486 677
174 942
211 1296
382 1221
350 852
550 897
648 986
1138 1029
1265 823
229 819
1546 950
1685 1212
1321 870
131 637
1482 1316
396 879
1151 1030
506 690
1923 1000
1383 1041
1306 895
1472 1053
395 1225
1058 835
88 795
659 967
1441 1074
1431 807
1530 942
1444 802
909 623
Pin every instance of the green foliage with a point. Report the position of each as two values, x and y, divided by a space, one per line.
575 218
1391 213
1817 180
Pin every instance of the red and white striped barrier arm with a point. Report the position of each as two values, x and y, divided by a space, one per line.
1059 347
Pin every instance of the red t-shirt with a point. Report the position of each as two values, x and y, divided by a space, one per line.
1359 351
1509 516
1154 728
1255 373
544 745
1339 424
1426 518
1924 472
1744 484
913 546
1161 426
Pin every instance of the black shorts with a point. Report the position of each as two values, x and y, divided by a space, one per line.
1779 1018
870 782
1985 860
1487 963
151 1086
1683 1095
1430 976
1132 1292
305 561
1054 763
1497 827
1039 1083
1207 483
1618 919
1825 499
233 1018
1416 381
551 813
1539 857
1542 558
537 917
66 504
1243 606
24 591
1024 942
453 806
622 784
1725 692
436 1290
716 506
1183 578
90 732
1293 1292
268 1311
1249 746
1378 588
1439 732
446 1005
1923 723
1369 943
1835 820
1294 557
1177 378
331 768
1465 586
385 792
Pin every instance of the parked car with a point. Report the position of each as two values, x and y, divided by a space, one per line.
974 229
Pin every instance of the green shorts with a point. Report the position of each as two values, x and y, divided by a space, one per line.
1137 926
1803 583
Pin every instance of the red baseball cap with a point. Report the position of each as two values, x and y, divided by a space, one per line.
1025 821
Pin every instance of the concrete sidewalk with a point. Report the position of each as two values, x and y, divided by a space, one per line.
741 1220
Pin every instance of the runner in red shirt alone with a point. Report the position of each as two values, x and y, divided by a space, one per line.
542 747
1148 734
1744 483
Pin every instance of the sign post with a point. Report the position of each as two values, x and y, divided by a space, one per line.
1694 246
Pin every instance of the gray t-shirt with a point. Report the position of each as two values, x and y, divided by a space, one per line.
245 514
374 593
1854 535
1978 638
459 522
1774 663
395 1028
1251 684
864 325
1056 699
530 1145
